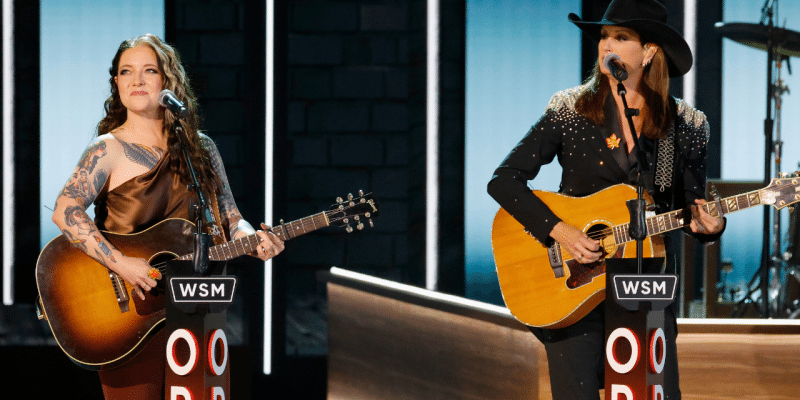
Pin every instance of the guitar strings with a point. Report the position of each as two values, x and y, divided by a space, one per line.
684 215
162 266
596 235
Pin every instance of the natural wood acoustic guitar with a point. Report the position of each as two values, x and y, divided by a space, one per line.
544 287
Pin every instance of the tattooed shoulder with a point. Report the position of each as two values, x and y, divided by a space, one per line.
87 180
92 155
205 140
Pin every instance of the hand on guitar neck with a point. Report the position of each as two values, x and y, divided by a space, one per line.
270 244
703 222
576 243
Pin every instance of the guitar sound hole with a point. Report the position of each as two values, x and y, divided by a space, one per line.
159 261
581 274
154 300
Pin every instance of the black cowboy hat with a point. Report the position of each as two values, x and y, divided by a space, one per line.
648 18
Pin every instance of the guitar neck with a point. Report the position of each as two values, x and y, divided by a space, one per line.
680 218
248 244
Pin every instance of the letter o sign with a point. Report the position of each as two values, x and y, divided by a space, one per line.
217 336
187 336
658 344
611 358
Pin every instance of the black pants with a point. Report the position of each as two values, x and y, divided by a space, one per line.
576 357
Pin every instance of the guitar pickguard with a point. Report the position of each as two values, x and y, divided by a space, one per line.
581 274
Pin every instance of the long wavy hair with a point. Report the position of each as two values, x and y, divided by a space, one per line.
656 111
176 80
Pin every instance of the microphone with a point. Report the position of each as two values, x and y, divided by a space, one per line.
168 100
613 64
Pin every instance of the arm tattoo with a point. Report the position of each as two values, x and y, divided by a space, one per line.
99 180
227 205
76 216
77 243
90 157
104 248
79 187
141 155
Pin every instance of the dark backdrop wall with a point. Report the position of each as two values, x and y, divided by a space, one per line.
350 102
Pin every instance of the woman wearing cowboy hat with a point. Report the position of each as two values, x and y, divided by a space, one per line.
585 127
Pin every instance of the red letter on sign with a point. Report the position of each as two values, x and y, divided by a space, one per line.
618 390
656 392
218 394
658 347
217 336
175 391
187 336
611 356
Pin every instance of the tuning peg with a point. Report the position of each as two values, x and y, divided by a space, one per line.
368 214
360 226
371 225
349 196
349 228
339 200
346 221
783 174
797 174
356 217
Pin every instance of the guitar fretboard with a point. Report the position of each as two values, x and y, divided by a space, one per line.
680 218
248 244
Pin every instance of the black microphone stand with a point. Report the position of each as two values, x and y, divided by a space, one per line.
199 209
637 228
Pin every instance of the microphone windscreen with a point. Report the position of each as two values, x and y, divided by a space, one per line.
162 97
608 59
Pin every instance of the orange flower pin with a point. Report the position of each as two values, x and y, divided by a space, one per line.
613 141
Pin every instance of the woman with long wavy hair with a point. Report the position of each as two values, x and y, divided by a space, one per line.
137 177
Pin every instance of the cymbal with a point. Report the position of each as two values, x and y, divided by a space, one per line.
785 41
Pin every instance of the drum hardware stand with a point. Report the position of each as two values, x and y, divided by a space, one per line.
768 261
780 44
778 260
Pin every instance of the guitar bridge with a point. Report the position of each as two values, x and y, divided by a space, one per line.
119 290
556 262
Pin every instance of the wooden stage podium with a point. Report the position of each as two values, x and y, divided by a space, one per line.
393 341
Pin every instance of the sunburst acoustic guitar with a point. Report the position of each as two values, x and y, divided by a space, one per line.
544 287
94 317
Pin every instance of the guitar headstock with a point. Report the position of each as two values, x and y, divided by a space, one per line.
782 191
353 210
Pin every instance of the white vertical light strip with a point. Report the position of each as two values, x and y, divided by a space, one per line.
690 34
432 156
8 152
268 175
689 79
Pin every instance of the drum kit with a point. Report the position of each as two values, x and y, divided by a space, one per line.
779 273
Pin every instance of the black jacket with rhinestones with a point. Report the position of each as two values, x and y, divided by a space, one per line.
589 165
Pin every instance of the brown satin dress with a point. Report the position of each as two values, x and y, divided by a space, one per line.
132 207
